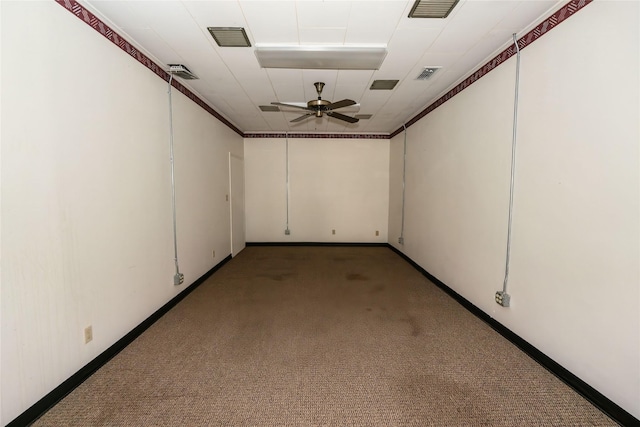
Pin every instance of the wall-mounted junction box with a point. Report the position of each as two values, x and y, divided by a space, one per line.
503 298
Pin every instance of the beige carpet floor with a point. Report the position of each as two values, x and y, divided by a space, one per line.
321 336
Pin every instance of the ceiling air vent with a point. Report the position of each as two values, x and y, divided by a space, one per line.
230 36
383 84
271 108
432 8
180 70
427 73
363 116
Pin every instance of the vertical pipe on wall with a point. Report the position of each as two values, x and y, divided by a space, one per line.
178 278
286 137
513 170
404 177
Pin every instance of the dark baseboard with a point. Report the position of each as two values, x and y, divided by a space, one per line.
599 400
376 245
48 401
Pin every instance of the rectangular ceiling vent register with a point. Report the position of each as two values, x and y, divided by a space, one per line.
383 84
229 36
181 71
432 8
271 108
363 116
427 73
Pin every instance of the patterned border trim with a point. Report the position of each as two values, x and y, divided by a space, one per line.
317 135
91 20
541 29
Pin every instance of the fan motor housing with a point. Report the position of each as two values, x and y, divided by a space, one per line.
318 105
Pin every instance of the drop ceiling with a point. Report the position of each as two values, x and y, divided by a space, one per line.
233 83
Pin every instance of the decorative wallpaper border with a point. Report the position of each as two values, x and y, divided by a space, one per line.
318 135
541 29
90 19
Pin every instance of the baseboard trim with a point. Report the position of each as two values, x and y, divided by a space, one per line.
606 405
375 245
47 402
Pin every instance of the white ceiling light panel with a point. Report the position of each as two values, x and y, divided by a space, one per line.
321 57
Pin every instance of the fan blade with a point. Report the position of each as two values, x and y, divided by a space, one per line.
299 119
289 105
341 104
342 117
283 104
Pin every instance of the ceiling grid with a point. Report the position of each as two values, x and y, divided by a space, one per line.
177 32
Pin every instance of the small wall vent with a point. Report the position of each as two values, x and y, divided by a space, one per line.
427 73
363 116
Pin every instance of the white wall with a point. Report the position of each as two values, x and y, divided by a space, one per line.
574 281
335 184
86 198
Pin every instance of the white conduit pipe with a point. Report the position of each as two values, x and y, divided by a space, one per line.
179 277
286 136
513 166
404 177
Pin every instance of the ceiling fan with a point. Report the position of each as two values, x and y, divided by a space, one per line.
319 107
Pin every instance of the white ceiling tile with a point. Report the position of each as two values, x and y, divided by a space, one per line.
287 84
275 121
487 47
323 14
525 12
332 36
241 60
271 21
473 20
171 21
119 13
216 13
156 46
405 50
207 66
373 21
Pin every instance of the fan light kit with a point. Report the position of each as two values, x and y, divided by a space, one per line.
319 107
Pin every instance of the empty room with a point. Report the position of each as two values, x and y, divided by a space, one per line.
306 212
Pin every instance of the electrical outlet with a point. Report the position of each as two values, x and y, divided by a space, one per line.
377 233
88 334
287 232
333 231
503 298
401 240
